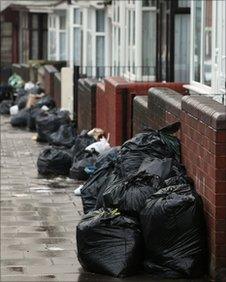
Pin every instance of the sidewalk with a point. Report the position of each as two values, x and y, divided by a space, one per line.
38 218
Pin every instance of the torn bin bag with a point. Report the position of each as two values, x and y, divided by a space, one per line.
109 243
64 136
54 161
173 227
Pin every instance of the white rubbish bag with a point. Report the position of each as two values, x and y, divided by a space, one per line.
14 110
99 146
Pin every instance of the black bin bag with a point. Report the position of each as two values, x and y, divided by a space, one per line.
20 119
46 101
5 107
64 136
152 143
174 231
82 169
82 141
109 243
49 122
129 195
54 161
34 112
94 188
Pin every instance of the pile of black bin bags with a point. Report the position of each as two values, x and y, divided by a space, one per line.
69 158
142 212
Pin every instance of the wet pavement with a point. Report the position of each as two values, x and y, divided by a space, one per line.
38 218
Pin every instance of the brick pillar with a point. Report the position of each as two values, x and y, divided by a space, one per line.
49 72
86 103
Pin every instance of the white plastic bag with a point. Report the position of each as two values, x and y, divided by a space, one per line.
77 191
28 86
14 110
99 146
44 108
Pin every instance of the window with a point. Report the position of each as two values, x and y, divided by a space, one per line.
148 38
77 37
116 39
62 37
130 38
24 37
38 36
100 42
52 38
202 42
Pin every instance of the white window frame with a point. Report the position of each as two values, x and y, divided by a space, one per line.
80 27
148 77
134 49
219 64
196 86
118 35
54 26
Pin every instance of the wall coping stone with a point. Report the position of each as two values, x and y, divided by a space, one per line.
50 69
168 99
143 100
206 109
90 82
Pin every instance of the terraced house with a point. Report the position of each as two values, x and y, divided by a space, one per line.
122 65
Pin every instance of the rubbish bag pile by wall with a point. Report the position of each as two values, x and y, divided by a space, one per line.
146 182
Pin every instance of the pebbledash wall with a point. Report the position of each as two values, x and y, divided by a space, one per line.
114 105
203 144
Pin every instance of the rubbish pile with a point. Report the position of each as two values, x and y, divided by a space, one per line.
142 212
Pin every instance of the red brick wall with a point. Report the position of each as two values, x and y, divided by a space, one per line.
203 144
114 113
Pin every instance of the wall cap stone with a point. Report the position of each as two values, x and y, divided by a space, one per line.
206 110
166 98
